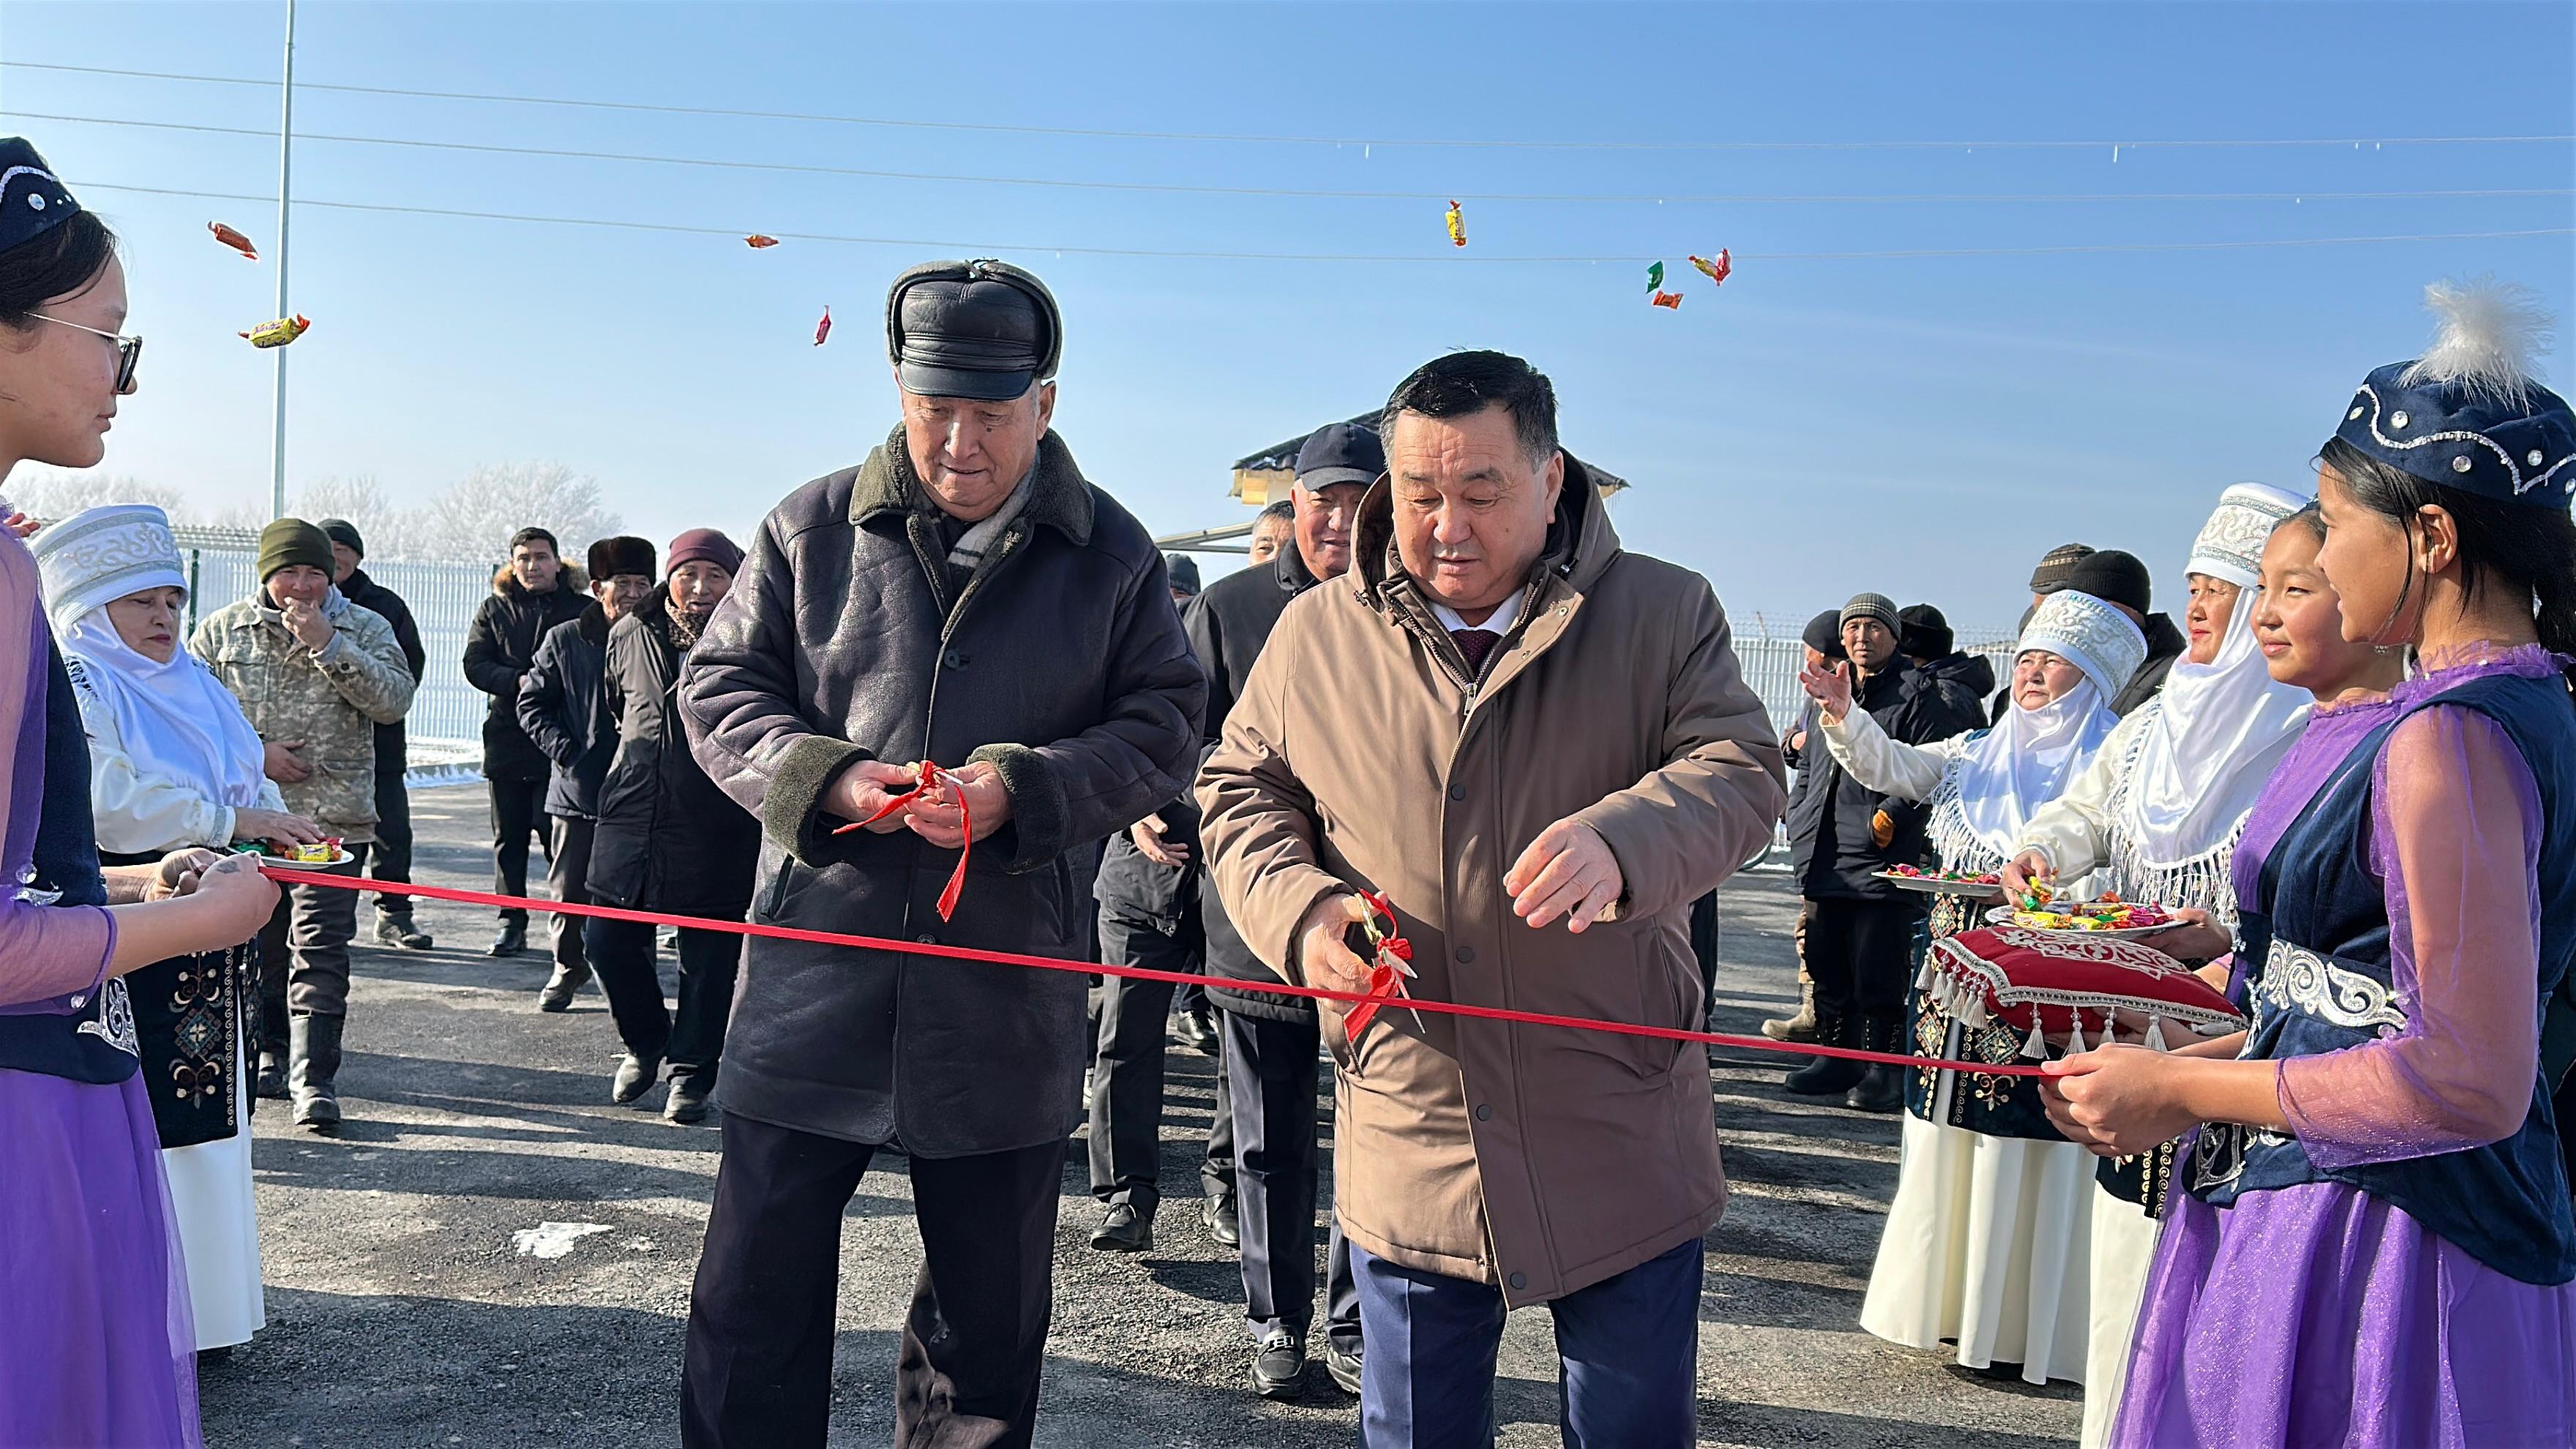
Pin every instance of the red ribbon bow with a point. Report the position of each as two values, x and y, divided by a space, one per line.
930 778
1387 973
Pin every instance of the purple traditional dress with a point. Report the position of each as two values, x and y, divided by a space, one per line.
95 1347
2394 1270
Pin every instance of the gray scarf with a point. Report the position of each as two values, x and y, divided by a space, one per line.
968 554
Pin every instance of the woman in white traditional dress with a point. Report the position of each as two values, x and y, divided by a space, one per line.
1985 1243
2156 819
173 763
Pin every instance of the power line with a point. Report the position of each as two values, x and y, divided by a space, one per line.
1422 142
987 248
1730 198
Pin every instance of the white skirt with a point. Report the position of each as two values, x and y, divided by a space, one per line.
210 1192
1986 1245
2124 1247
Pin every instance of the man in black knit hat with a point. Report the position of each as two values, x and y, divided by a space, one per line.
388 856
1861 929
2120 580
1823 641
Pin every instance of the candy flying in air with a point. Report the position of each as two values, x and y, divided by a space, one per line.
278 333
233 239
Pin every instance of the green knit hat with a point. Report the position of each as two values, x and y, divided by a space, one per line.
292 541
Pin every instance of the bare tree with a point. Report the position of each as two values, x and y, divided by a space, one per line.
474 519
56 493
361 500
471 522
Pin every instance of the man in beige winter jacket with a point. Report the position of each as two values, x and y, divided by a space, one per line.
1540 748
316 674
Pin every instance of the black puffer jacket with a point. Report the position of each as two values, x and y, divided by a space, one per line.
1832 852
668 839
366 593
564 708
2165 644
1062 663
1965 682
499 646
1138 890
1228 625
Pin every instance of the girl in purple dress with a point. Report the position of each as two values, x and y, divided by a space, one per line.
96 1347
2377 1246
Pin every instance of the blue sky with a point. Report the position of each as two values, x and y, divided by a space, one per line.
1919 426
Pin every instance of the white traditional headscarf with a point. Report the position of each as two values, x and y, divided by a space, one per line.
2220 727
176 721
2026 760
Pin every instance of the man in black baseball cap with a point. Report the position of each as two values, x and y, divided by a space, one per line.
968 562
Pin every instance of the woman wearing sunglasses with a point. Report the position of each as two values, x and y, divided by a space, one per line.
97 1339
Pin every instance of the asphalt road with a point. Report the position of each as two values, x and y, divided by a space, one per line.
416 1295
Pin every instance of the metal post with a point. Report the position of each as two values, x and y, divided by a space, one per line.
285 158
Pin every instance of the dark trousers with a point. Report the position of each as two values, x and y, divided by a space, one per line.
1127 1062
304 957
622 957
388 856
568 873
1275 1072
758 1369
518 816
1627 1349
1859 954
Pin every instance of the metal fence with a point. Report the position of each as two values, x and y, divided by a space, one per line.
446 723
1772 660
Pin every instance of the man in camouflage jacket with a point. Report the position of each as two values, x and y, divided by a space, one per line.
316 674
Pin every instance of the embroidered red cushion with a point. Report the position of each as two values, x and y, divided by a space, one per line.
2072 987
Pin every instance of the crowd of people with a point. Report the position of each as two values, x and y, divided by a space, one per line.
954 697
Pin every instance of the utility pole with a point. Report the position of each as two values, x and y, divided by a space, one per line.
285 161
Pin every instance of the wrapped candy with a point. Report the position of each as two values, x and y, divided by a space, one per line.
278 333
1718 270
823 329
1668 299
1457 226
233 239
759 242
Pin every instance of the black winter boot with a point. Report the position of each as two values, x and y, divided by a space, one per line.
1882 1087
1830 1076
313 1067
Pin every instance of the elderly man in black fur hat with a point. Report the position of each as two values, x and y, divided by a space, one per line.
964 599
562 705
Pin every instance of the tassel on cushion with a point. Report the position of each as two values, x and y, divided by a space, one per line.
2156 1034
1929 975
2035 1046
2075 1037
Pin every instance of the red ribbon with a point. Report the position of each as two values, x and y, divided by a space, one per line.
930 777
1386 974
288 875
